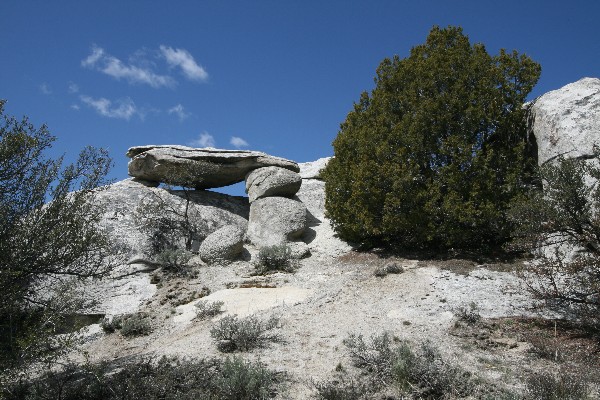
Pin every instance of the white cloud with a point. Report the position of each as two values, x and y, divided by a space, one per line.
238 142
73 88
183 59
75 107
204 140
114 67
179 110
124 109
92 59
45 89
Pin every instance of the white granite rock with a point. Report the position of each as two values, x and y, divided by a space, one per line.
272 181
276 220
198 168
567 121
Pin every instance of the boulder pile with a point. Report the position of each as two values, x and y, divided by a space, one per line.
276 215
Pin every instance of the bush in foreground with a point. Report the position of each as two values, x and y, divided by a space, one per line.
275 258
242 334
166 378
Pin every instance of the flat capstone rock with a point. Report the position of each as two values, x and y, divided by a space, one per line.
199 168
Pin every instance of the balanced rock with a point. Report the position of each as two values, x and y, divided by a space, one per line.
224 244
199 168
566 122
272 181
276 220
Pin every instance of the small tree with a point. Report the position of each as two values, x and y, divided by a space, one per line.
432 157
48 232
560 225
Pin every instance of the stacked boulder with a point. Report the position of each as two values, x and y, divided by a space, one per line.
276 216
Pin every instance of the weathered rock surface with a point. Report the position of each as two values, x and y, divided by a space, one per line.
312 170
567 121
129 285
276 220
224 244
199 168
272 181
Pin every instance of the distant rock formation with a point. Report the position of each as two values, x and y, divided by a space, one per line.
566 122
198 168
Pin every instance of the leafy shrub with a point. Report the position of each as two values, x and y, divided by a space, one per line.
375 357
136 324
275 258
433 156
205 309
110 325
243 334
239 379
387 269
173 259
342 389
150 379
564 387
424 372
561 227
470 314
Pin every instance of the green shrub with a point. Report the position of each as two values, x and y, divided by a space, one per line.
239 379
243 334
205 309
470 314
275 258
385 270
422 373
174 259
545 386
136 324
560 226
151 379
342 389
433 156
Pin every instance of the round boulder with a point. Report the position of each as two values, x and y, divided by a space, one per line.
272 181
276 220
224 244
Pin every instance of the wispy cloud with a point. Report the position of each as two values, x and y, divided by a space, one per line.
123 109
183 59
73 88
75 107
204 140
179 110
112 66
45 89
238 142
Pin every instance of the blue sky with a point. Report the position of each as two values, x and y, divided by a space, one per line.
276 76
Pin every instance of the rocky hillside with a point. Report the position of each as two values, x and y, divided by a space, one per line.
334 291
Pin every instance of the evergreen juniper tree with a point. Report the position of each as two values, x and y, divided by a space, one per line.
432 157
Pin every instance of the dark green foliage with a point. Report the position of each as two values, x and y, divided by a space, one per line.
49 237
205 309
275 258
164 379
545 386
242 334
136 324
434 155
239 379
387 269
342 389
420 373
174 260
561 226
